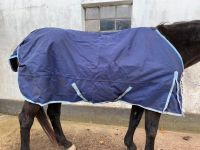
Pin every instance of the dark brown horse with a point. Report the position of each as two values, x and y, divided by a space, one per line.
185 36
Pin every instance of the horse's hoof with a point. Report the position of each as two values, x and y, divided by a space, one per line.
73 147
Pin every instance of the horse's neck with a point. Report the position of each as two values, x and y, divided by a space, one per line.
189 55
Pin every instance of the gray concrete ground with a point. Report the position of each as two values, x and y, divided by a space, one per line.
89 136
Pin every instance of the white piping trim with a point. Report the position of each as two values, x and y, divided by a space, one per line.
171 90
78 92
171 46
158 111
177 94
14 56
123 94
147 108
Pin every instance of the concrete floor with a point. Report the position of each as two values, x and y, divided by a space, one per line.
89 136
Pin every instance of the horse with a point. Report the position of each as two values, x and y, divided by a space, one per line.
184 36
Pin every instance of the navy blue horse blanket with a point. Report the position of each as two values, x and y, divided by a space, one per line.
137 65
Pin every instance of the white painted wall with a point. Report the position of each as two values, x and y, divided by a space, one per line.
19 17
154 12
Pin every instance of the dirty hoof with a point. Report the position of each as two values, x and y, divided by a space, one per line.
73 147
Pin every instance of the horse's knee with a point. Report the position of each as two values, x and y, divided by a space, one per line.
151 129
151 132
25 120
26 117
151 123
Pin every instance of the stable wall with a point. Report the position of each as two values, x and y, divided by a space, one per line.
18 18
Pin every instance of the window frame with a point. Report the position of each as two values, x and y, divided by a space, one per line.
116 18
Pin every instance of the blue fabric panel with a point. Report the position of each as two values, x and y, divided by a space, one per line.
103 66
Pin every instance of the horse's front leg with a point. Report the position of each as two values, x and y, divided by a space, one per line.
26 118
135 117
54 111
151 127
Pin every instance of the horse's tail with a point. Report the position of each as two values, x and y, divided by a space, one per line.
42 118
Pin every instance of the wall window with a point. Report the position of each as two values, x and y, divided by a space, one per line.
108 18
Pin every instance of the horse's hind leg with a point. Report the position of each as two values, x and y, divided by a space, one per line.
26 118
151 127
54 111
135 117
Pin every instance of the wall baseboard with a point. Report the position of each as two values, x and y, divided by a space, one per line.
109 116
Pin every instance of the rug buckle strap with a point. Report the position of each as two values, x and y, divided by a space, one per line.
123 94
78 92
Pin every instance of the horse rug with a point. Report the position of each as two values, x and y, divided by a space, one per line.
137 65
